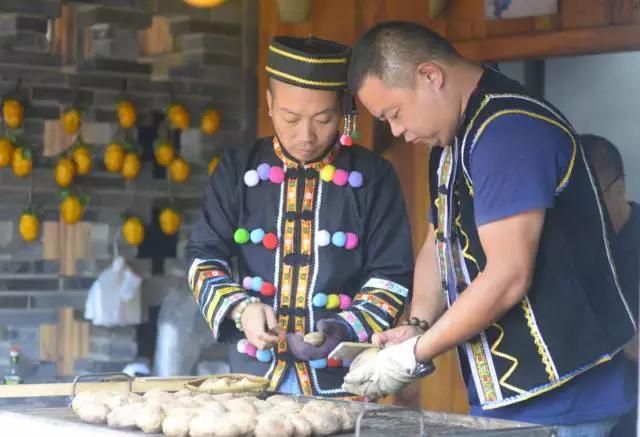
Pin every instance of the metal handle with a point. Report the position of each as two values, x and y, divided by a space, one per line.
110 376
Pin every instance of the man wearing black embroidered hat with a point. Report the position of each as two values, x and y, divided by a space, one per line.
317 225
517 269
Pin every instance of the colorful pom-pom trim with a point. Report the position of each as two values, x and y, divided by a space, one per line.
331 301
264 356
270 241
258 285
264 172
325 362
257 236
318 364
241 236
323 238
244 347
329 173
348 240
333 363
251 178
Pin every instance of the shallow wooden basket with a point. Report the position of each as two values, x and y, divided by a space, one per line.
256 384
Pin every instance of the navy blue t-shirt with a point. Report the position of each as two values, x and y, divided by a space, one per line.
518 164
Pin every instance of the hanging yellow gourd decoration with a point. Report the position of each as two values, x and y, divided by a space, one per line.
204 3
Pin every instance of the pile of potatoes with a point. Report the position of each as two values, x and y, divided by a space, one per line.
184 413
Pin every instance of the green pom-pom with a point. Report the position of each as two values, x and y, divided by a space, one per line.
241 236
355 134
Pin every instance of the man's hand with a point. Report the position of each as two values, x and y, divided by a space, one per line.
261 326
335 332
395 335
386 372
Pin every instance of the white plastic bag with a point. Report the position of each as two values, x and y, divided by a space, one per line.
115 297
182 334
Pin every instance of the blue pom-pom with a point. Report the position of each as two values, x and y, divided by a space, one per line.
256 236
339 239
355 179
264 356
256 284
320 300
263 171
318 364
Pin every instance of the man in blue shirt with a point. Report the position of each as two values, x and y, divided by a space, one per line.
516 270
625 218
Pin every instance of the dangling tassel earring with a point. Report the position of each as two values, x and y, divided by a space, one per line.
350 121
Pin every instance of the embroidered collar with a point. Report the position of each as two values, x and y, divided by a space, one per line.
289 161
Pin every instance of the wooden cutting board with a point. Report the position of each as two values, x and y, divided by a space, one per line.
140 385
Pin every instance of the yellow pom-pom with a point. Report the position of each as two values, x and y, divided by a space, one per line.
326 174
333 302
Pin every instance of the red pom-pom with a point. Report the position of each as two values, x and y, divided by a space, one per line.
267 289
346 140
270 241
334 363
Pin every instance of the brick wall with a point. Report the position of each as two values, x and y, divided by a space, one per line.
90 52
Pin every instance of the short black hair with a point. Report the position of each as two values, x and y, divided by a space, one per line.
340 93
389 50
604 156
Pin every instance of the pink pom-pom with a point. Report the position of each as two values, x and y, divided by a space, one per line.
250 350
352 241
345 301
242 345
340 178
246 282
276 175
346 140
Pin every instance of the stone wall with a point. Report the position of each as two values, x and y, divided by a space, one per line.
91 53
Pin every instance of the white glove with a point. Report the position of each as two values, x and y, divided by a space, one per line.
386 372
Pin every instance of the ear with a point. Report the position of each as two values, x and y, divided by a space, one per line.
269 102
430 74
620 187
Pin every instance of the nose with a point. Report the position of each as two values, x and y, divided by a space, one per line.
307 133
396 129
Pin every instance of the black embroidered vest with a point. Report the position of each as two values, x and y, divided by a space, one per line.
574 316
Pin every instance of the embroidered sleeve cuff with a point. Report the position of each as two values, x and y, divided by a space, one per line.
354 321
214 291
216 318
376 308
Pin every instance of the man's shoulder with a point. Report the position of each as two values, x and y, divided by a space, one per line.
363 160
240 154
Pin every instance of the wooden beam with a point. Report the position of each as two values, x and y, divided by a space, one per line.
585 13
551 44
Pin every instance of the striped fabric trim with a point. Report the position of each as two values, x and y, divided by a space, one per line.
356 324
302 81
387 285
342 60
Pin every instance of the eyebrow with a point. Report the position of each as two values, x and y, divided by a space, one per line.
324 111
382 116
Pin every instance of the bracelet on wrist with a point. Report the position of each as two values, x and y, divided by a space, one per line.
237 317
414 321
